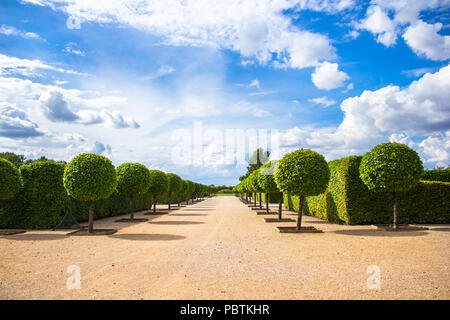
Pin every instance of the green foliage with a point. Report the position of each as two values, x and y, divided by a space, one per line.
348 200
390 167
266 179
253 181
16 159
132 179
175 182
190 187
90 177
159 183
302 172
258 158
41 200
442 175
9 179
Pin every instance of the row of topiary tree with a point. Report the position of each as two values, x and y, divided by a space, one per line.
91 177
388 167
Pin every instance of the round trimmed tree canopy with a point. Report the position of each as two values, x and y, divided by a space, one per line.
390 167
303 172
90 177
132 179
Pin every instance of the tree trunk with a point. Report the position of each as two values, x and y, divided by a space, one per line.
170 198
132 207
254 199
154 203
260 200
91 216
395 226
280 207
300 211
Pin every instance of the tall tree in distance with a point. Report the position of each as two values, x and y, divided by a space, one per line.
258 158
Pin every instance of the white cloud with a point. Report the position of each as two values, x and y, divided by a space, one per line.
436 148
13 65
257 29
416 72
386 19
14 123
424 39
72 47
327 76
324 101
378 22
388 114
9 30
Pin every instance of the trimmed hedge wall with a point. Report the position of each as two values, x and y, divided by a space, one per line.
347 200
42 200
273 197
442 175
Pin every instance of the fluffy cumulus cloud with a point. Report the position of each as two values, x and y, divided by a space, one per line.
390 113
14 123
257 29
378 22
424 39
327 76
387 19
55 107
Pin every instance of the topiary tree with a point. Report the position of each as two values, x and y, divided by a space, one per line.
9 180
182 192
90 177
303 173
132 179
159 185
190 190
175 184
254 178
391 167
266 181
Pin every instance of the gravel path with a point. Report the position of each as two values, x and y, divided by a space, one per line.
220 249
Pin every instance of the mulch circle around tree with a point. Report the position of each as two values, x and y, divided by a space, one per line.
135 220
403 227
279 220
10 232
264 213
96 232
302 230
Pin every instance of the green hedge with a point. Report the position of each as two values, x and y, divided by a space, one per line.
347 200
442 175
42 200
273 197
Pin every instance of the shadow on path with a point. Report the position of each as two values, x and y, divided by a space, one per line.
146 236
189 214
378 233
35 236
176 222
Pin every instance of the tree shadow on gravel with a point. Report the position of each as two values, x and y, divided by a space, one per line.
176 222
378 233
35 236
147 236
189 214
447 229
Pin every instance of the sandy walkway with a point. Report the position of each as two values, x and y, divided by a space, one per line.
220 249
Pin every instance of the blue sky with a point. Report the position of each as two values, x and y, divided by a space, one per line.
132 79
